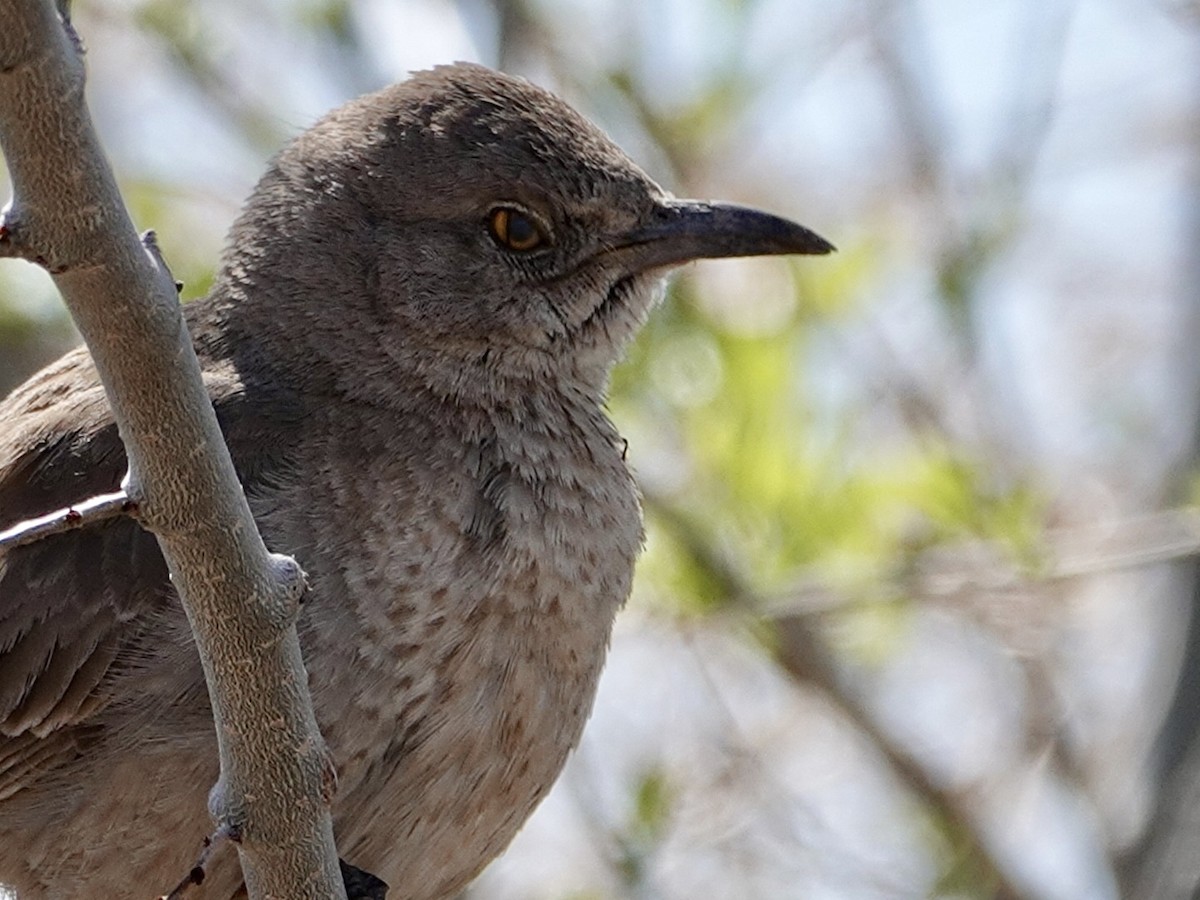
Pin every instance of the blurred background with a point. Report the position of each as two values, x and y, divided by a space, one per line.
917 613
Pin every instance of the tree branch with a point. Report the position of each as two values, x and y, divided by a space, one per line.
67 214
89 512
806 657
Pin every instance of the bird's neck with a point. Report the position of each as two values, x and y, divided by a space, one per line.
312 354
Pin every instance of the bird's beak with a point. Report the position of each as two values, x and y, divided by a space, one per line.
683 230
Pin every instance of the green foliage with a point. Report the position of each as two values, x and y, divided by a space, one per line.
329 17
1193 490
181 26
34 325
653 801
783 484
961 872
156 205
653 805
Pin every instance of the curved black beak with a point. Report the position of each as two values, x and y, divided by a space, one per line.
682 230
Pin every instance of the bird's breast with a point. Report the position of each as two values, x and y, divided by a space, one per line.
478 586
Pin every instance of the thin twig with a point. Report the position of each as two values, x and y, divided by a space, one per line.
89 512
963 572
199 871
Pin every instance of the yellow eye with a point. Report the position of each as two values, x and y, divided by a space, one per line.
515 230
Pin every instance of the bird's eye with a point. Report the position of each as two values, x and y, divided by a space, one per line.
515 230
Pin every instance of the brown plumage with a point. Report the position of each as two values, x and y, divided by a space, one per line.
407 347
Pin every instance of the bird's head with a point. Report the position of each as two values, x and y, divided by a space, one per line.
472 227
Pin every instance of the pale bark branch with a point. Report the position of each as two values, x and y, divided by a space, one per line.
89 512
67 214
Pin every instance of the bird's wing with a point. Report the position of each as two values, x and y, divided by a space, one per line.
77 608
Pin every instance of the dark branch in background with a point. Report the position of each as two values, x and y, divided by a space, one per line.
984 582
1165 863
805 655
67 215
960 577
898 41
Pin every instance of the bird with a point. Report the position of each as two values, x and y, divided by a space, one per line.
408 346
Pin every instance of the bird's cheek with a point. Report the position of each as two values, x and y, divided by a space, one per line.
526 318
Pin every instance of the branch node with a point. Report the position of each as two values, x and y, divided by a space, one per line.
131 486
64 14
15 245
11 244
149 240
290 581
